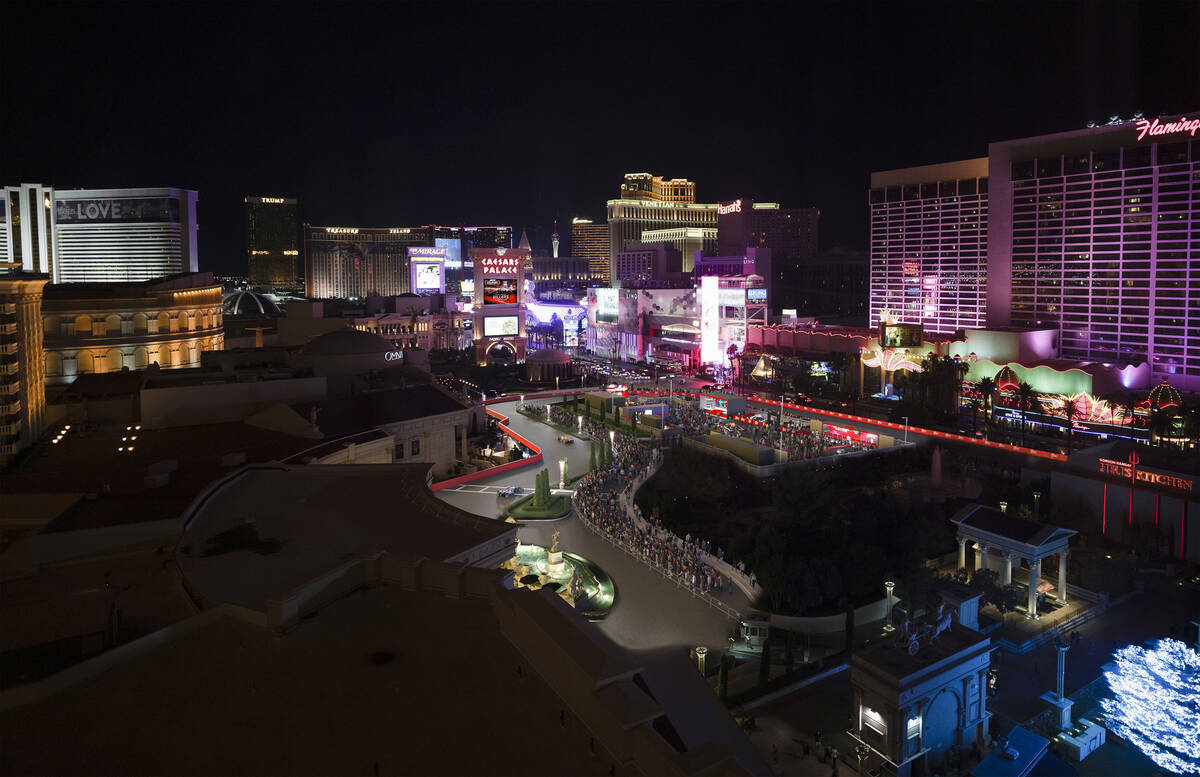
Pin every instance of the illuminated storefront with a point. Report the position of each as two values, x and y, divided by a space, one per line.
1135 493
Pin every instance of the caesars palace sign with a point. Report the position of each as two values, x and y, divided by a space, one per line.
498 264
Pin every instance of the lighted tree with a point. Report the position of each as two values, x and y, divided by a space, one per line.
1156 703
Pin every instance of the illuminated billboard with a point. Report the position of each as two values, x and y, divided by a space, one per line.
731 298
607 305
710 322
900 335
427 270
452 247
109 210
467 288
499 291
500 326
428 277
756 295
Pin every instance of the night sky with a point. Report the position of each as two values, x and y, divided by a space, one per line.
517 113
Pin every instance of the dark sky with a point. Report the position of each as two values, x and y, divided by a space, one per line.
515 113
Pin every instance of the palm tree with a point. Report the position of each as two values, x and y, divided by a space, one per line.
1070 411
987 390
1026 396
1126 407
959 369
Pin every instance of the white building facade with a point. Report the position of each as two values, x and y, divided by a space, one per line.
99 235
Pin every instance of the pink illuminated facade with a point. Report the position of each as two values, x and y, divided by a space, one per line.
1093 233
929 245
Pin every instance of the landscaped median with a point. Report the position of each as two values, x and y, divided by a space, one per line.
556 506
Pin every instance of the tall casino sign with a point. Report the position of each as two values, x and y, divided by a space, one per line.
499 310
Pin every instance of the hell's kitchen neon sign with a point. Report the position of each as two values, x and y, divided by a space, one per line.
733 207
1131 471
1156 127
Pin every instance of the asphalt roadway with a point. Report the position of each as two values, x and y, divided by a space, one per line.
651 612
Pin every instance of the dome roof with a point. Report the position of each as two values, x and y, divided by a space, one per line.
1007 378
1164 395
547 356
247 302
347 342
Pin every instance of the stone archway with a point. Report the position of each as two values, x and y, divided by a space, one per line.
939 727
502 352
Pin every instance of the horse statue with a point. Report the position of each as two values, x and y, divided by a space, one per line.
942 622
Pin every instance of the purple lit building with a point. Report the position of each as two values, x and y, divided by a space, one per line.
1091 232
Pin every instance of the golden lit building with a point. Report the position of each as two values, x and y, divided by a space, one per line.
644 186
22 390
107 327
649 202
272 246
590 241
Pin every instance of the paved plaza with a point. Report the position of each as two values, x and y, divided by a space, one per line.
651 611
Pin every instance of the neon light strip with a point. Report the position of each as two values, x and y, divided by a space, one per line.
1104 512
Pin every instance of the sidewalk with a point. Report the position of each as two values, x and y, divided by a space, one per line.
1150 615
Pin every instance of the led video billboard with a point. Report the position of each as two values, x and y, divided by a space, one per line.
499 291
500 326
607 305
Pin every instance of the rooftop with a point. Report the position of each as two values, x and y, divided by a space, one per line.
104 290
992 521
890 657
369 409
272 528
228 695
86 461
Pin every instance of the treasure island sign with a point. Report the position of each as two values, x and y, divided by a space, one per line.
1129 469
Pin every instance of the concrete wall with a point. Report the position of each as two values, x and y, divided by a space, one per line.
63 545
222 402
833 624
435 436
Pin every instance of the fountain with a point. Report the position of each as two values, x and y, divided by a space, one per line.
555 566
581 584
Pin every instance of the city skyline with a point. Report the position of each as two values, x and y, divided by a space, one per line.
231 128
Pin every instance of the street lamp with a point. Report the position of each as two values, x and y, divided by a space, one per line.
889 586
580 418
556 383
612 438
906 428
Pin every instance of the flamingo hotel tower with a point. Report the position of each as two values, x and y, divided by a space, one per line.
1094 233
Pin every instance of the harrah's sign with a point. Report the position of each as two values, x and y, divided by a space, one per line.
1156 127
1127 470
733 207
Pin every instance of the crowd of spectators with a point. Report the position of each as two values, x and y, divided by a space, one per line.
605 500
798 441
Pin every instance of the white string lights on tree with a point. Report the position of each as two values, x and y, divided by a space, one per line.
1155 703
